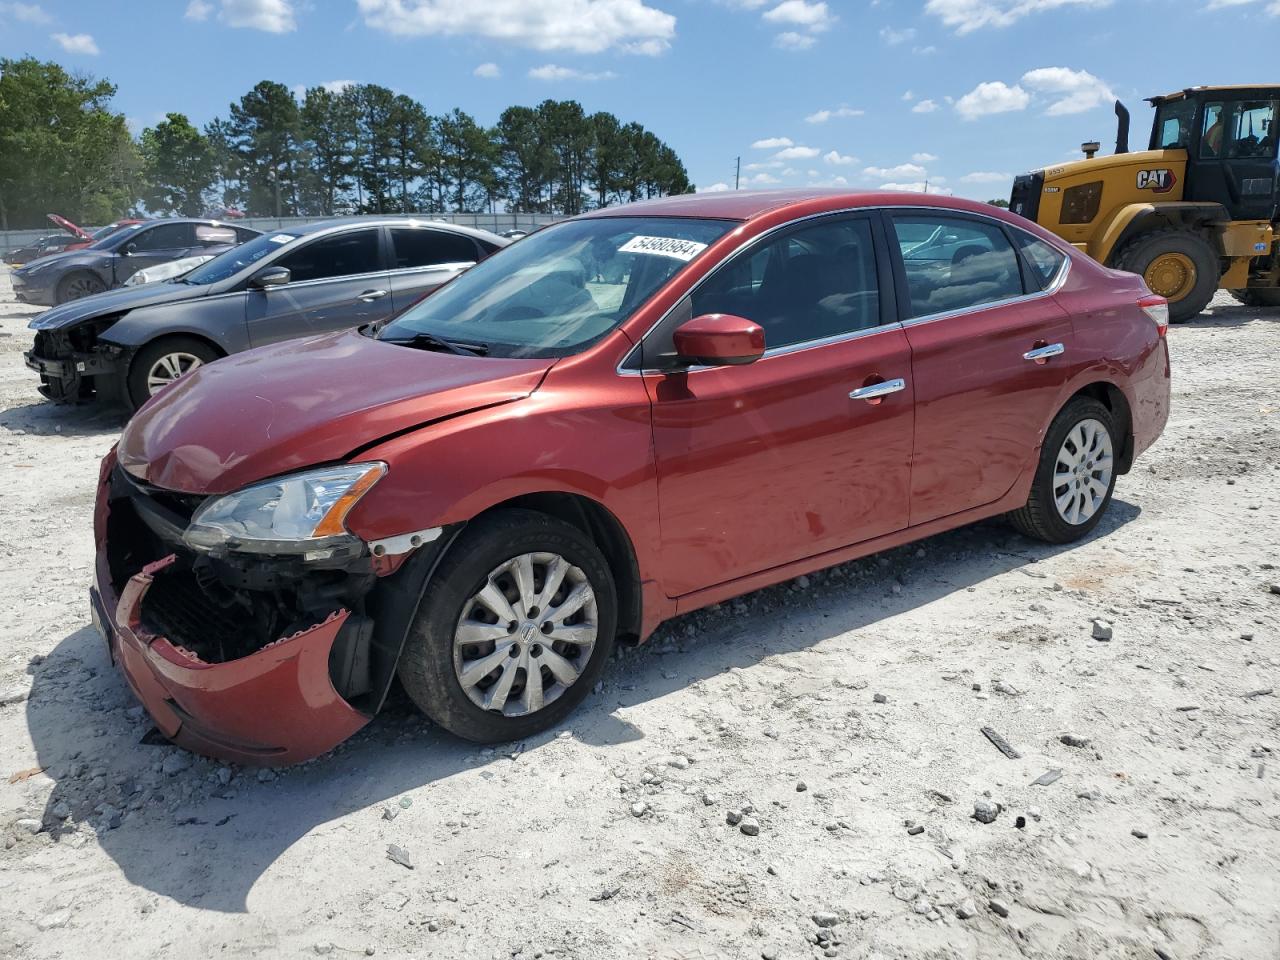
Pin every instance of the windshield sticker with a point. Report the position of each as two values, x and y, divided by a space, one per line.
663 247
281 238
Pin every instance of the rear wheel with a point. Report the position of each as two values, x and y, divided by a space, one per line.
1075 477
1178 265
161 362
513 630
1258 296
75 286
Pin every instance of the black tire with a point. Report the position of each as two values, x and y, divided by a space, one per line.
146 358
76 286
1040 519
1138 254
1258 296
426 667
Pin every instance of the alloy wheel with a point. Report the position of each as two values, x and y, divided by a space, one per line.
78 288
525 637
1082 477
169 368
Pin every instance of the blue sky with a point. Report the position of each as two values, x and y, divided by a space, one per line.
961 93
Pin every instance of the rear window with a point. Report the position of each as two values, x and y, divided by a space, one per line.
417 247
1045 259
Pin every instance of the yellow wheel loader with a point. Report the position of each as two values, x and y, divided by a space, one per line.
1197 211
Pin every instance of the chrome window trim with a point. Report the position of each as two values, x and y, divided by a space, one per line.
452 265
1053 288
294 285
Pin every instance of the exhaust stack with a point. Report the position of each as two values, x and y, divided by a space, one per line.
1122 128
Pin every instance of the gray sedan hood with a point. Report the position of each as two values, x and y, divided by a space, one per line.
116 301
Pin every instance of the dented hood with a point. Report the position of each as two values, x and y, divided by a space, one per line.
292 405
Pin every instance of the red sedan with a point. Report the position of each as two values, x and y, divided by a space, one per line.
622 418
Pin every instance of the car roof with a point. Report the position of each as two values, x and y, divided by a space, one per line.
749 204
376 220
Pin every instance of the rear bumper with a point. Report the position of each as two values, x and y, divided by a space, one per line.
274 707
1151 392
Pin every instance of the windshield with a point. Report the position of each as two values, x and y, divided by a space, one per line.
104 232
236 259
559 289
109 241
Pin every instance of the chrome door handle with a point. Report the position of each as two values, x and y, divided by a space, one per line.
877 390
371 295
1040 354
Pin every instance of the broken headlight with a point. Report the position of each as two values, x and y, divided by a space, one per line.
302 513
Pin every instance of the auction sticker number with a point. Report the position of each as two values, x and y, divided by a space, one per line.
663 247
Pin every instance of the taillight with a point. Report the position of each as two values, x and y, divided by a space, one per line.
1157 308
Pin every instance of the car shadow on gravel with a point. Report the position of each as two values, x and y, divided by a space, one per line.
204 841
40 417
1229 315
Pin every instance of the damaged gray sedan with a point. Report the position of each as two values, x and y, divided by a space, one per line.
125 345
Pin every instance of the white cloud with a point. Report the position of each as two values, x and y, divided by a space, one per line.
1273 8
814 17
714 188
487 71
581 26
901 170
764 165
797 153
556 73
764 179
269 16
198 10
771 143
917 186
1075 91
924 51
831 182
25 12
965 16
822 116
337 86
837 159
992 97
894 37
909 96
986 176
925 106
793 41
923 158
76 43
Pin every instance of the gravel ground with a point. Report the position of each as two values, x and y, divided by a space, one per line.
835 715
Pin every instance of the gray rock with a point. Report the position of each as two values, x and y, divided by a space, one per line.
824 918
678 762
639 808
1074 740
399 855
966 909
14 694
880 698
1102 630
266 775
175 763
801 787
433 927
921 905
985 811
224 775
733 817
390 813
53 921
61 810
768 953
750 827
28 825
999 908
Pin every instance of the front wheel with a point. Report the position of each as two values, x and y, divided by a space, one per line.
513 630
1075 477
163 361
77 286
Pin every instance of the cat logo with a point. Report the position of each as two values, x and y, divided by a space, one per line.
1157 181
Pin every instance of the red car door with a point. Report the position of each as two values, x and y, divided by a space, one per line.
987 346
775 461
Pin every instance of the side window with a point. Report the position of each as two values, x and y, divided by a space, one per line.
1174 121
166 236
1251 129
340 255
1211 136
1045 259
811 283
962 263
244 234
427 248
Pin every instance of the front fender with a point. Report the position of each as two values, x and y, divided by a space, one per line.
1130 219
218 319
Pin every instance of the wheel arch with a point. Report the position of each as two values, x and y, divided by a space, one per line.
1135 219
1114 399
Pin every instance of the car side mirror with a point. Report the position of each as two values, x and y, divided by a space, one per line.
130 249
270 277
717 339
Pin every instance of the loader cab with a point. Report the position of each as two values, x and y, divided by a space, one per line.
1230 135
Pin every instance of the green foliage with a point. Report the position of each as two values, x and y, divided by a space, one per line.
361 149
62 150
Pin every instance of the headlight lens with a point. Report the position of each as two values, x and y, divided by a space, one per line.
301 513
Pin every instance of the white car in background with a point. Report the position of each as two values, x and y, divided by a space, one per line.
165 271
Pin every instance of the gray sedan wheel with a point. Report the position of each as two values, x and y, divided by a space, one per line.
78 286
164 361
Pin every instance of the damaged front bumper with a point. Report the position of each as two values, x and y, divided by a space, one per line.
266 664
76 367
